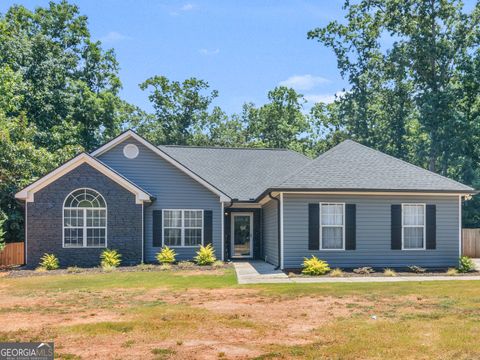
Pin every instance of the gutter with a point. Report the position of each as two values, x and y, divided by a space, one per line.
278 230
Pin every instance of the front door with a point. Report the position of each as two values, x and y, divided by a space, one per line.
242 235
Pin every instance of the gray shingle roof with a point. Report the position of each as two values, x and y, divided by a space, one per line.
242 173
350 165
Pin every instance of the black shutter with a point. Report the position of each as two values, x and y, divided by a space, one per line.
157 228
207 227
313 226
350 226
396 227
431 230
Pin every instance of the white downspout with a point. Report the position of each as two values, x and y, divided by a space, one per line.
222 236
459 225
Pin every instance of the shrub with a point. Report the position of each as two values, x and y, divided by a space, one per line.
205 255
389 272
417 269
364 270
166 255
465 264
49 262
337 272
110 259
314 266
452 272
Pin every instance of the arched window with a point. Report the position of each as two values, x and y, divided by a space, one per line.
84 219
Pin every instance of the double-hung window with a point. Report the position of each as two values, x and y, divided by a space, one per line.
182 228
413 226
332 226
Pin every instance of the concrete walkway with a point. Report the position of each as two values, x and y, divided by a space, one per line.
259 272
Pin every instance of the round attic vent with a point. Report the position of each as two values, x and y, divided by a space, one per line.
130 151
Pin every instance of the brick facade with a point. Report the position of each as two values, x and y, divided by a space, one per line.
45 227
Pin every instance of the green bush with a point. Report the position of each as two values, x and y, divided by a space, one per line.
314 266
205 255
110 259
166 256
465 264
49 262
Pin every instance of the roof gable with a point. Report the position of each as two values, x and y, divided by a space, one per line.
28 193
131 134
352 166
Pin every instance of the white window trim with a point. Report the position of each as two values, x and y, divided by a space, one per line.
424 227
321 226
85 227
182 234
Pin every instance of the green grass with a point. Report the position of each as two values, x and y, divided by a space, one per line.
129 280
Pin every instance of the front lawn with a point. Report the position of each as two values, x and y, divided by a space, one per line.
205 314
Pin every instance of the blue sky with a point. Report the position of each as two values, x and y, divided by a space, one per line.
242 48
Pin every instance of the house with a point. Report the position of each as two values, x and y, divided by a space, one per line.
352 206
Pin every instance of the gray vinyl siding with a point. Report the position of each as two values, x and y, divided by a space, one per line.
372 232
172 189
270 232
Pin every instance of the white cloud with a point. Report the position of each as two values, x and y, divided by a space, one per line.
304 82
187 7
325 98
208 52
113 37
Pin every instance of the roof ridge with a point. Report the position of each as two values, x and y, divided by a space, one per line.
410 164
228 148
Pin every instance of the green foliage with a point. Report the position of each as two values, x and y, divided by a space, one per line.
205 255
110 259
166 255
417 269
465 264
49 262
314 266
181 109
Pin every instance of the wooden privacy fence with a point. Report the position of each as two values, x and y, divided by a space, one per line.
13 254
471 243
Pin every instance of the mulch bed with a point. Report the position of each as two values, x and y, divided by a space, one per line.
20 271
379 273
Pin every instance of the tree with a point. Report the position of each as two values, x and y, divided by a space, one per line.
280 123
63 75
181 109
415 80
